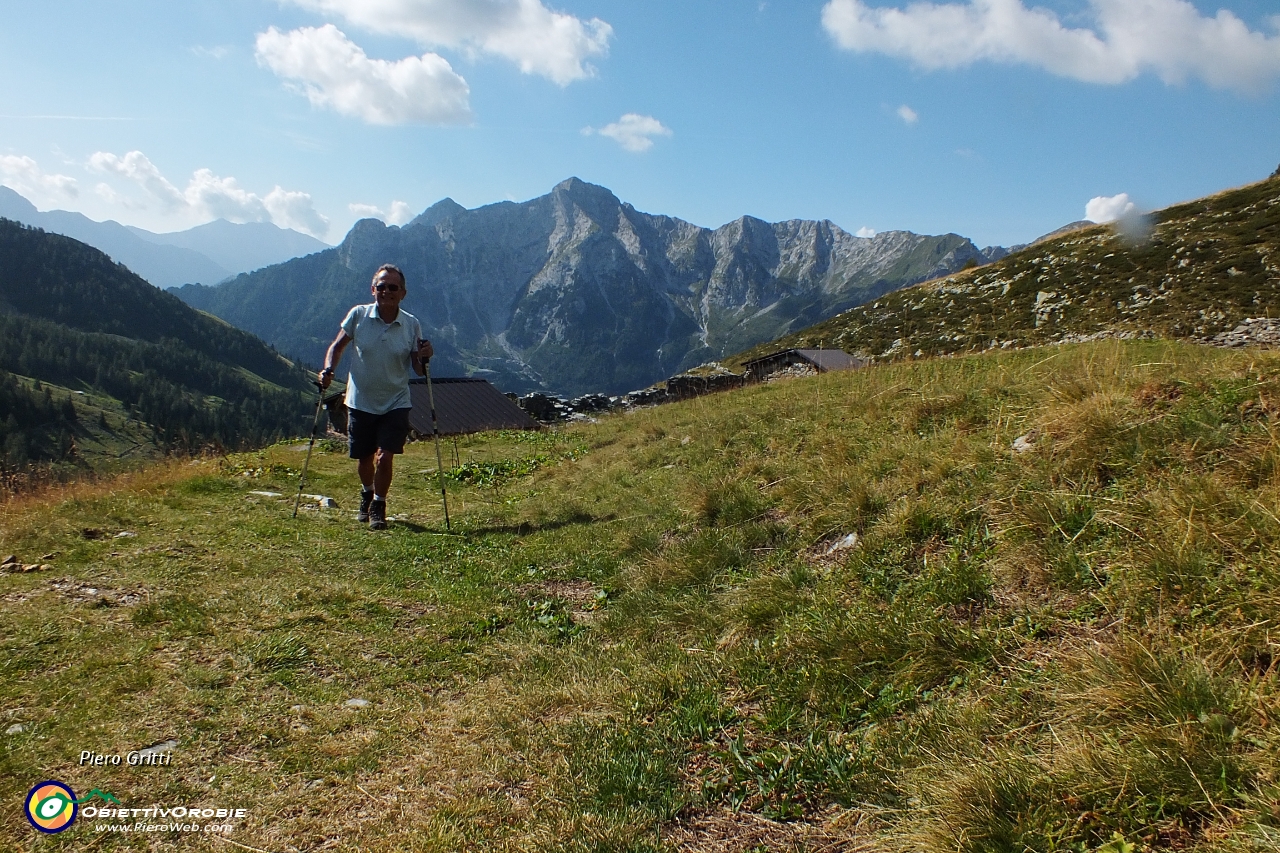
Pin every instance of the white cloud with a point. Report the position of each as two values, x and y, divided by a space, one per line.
866 232
137 168
555 45
293 209
25 176
208 196
332 71
1109 208
633 132
365 211
223 198
399 214
108 194
1167 37
908 115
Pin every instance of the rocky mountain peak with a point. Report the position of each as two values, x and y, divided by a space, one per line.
364 229
577 187
438 212
368 240
598 203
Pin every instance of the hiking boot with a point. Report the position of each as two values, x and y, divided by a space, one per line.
366 498
377 515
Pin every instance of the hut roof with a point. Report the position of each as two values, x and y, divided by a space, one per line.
464 406
823 359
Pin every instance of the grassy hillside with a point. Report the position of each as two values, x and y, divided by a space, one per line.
44 422
1018 601
1203 268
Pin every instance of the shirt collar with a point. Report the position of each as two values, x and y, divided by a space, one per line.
373 312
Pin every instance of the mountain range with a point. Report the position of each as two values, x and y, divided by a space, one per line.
124 363
576 291
207 253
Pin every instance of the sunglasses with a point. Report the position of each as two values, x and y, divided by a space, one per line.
392 288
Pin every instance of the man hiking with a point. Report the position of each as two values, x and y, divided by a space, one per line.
389 344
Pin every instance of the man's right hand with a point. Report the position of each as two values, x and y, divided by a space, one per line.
326 377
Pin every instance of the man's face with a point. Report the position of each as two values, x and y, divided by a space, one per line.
387 289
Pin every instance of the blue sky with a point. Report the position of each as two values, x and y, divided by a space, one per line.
996 119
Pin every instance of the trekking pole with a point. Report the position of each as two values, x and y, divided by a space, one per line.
315 424
435 430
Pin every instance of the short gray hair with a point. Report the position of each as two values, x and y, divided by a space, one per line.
395 269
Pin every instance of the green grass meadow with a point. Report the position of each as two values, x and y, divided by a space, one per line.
838 613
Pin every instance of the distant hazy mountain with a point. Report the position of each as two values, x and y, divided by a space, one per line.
576 291
207 253
160 265
239 247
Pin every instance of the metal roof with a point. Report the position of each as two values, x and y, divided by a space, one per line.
823 359
464 406
829 359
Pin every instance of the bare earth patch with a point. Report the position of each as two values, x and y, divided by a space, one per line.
99 595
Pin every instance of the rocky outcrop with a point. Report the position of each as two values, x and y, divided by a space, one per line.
1252 332
548 408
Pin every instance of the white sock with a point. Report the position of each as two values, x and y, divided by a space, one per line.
380 498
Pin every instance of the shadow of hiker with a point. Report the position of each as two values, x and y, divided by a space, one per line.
524 528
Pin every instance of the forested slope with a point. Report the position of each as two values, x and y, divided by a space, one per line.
71 317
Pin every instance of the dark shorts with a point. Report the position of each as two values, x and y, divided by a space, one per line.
367 434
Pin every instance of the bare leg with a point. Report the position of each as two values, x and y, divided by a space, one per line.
382 473
366 469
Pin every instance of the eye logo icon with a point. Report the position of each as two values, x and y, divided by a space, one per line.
51 806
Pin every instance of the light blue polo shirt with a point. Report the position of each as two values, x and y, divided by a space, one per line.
381 367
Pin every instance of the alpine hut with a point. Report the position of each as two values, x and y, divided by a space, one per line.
816 360
463 406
